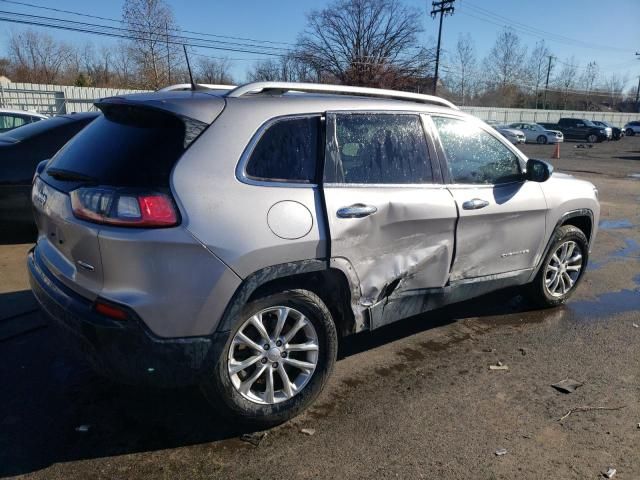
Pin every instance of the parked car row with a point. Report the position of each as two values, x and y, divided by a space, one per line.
566 128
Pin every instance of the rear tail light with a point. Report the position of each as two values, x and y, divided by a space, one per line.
123 207
111 311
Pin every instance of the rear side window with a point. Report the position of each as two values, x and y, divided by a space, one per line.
380 148
128 146
286 152
473 155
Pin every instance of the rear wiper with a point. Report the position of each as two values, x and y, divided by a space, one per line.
69 176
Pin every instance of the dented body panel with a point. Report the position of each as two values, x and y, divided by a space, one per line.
407 244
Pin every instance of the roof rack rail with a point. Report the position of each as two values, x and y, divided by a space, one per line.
204 86
282 87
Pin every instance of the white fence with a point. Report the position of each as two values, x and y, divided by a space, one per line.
53 99
512 115
56 99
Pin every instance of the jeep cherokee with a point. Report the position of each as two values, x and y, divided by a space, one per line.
228 238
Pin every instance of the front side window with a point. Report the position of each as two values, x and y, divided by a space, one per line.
376 148
474 156
286 152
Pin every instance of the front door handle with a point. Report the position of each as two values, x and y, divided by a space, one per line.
474 204
356 211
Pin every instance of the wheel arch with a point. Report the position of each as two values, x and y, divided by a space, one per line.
337 288
579 218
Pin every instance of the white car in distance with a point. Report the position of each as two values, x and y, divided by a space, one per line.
538 134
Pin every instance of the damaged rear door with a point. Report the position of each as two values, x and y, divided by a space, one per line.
389 214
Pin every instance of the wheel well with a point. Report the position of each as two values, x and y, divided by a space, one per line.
330 285
582 222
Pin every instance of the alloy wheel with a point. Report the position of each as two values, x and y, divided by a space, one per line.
563 269
273 355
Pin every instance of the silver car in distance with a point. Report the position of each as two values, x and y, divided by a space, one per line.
228 237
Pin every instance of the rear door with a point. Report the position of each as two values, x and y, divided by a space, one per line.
502 216
388 211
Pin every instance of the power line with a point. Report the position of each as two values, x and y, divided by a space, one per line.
83 27
110 19
494 18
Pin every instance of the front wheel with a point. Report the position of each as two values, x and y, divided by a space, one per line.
542 139
592 138
276 360
562 268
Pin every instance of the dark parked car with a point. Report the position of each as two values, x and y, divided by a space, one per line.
581 129
616 133
21 150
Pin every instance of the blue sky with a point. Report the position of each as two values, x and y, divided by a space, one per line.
582 28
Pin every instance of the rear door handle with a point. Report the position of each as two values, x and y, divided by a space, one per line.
356 211
474 204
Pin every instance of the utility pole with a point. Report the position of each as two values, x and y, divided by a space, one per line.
638 91
546 86
443 8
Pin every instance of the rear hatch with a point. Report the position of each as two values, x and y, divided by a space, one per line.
114 173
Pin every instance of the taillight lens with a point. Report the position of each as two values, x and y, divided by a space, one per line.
124 207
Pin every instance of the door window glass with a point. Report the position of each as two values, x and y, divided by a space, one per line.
381 149
474 156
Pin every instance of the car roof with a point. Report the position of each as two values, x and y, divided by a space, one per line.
279 98
22 112
30 130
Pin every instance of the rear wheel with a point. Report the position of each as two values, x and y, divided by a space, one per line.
542 139
562 268
276 361
592 138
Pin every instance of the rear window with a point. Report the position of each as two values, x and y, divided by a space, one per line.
128 146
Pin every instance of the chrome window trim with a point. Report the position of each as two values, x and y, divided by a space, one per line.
241 173
429 186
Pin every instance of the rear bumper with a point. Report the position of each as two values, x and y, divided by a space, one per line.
123 350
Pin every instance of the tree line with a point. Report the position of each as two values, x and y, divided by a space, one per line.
371 43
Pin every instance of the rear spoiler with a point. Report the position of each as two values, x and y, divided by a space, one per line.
200 106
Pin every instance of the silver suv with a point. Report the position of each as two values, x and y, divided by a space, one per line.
228 238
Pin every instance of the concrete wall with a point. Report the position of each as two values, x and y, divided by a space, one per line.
56 99
511 115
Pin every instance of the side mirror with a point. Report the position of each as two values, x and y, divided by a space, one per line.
538 170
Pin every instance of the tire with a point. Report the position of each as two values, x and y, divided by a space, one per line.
542 140
592 138
222 389
629 132
538 291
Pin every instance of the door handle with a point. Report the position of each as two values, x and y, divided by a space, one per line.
474 204
356 211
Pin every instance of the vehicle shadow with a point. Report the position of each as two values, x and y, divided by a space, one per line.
54 409
12 234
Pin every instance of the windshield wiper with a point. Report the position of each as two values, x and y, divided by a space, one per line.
69 176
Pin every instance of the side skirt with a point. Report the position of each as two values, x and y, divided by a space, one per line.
413 302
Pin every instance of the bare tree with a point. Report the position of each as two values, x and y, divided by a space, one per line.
287 68
567 79
462 77
364 42
536 69
37 57
588 81
154 55
614 85
213 70
504 64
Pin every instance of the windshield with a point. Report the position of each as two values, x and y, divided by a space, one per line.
32 129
